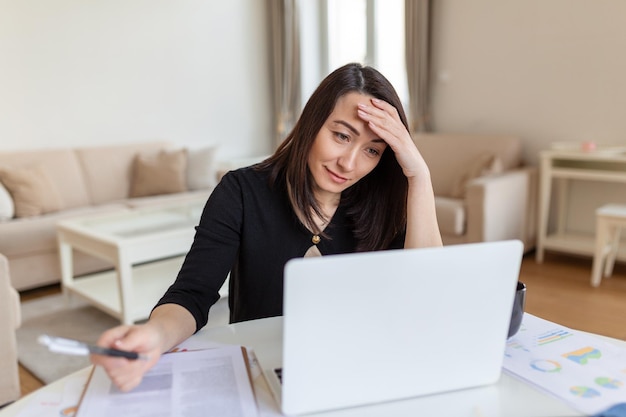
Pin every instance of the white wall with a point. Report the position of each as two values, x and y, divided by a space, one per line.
77 72
546 71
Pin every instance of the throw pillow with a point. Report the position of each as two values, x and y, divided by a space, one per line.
201 168
32 191
164 172
485 164
7 208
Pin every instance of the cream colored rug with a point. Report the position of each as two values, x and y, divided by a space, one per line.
49 315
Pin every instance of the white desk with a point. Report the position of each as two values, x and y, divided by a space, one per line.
565 165
509 397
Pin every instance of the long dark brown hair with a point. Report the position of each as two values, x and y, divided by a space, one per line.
377 203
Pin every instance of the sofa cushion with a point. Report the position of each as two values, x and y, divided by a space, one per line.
451 215
108 169
449 155
32 190
60 165
201 168
7 208
483 165
164 172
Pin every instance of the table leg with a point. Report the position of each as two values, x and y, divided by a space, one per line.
614 237
545 184
600 252
67 269
125 287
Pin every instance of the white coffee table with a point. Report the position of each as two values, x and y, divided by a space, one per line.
146 247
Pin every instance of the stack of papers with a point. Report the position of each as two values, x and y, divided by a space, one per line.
580 369
187 383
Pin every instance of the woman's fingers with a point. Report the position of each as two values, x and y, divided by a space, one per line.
126 373
384 121
109 337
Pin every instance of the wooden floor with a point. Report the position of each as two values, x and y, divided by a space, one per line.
557 290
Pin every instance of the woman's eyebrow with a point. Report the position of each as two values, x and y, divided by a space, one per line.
349 126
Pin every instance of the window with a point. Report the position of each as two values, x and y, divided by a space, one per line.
370 32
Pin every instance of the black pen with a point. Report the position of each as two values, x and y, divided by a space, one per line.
74 347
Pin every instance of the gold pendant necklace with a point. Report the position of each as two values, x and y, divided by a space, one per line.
315 239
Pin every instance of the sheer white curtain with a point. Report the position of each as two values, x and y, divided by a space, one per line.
285 52
418 33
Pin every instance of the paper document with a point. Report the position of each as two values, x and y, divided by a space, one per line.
211 382
581 369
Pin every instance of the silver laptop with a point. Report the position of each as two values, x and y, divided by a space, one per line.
380 326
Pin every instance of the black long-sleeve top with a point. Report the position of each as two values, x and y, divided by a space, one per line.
249 229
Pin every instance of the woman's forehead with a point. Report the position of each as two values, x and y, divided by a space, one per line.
353 98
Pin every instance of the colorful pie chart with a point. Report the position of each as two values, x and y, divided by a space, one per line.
584 392
545 365
609 383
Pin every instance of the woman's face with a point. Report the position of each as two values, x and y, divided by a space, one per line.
345 149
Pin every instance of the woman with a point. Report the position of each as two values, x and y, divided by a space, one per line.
347 178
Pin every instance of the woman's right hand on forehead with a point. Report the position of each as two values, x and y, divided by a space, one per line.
384 121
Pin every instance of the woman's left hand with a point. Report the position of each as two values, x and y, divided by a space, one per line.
383 120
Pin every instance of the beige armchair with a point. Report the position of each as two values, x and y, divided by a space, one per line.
10 319
483 190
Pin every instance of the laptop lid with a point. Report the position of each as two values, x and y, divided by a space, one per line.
378 326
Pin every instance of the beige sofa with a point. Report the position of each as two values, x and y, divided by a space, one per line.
10 317
483 190
56 184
